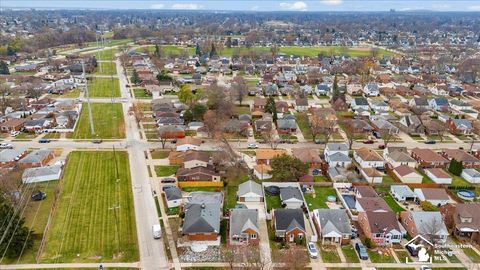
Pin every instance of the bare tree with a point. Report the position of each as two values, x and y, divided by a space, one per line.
294 258
270 136
137 112
253 259
239 88
387 136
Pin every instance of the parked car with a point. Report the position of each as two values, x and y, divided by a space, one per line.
174 141
156 231
97 141
425 267
6 146
312 250
362 251
368 142
252 146
430 142
381 146
44 140
14 133
168 180
38 196
318 141
412 250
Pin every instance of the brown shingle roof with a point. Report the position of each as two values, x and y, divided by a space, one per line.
460 155
428 155
366 191
373 204
403 170
268 153
367 154
435 194
381 222
307 155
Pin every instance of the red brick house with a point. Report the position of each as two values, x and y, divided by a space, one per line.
381 227
427 158
468 160
289 224
15 124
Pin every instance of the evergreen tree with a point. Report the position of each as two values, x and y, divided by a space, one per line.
157 50
335 91
271 108
455 167
213 51
4 68
198 50
135 78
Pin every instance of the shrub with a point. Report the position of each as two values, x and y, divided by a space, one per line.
368 243
428 206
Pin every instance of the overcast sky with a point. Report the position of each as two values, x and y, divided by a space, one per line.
259 5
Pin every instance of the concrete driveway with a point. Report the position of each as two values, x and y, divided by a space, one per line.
265 252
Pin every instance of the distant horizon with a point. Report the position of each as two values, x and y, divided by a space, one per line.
253 6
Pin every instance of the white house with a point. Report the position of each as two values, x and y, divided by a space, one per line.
371 90
436 196
398 156
439 104
471 175
372 175
407 174
402 193
368 158
188 143
250 191
41 174
173 196
438 175
336 155
291 197
360 103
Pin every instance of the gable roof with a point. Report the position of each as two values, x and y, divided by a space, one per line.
427 221
196 155
373 204
289 193
368 154
366 191
402 190
339 157
243 219
460 155
307 155
428 155
173 193
36 156
381 222
289 219
404 170
268 153
201 218
249 187
189 140
467 210
333 221
337 147
434 193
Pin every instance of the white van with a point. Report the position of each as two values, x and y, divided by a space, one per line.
156 231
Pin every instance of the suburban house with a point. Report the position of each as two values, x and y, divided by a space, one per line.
368 158
286 126
372 175
197 174
436 196
336 154
250 191
9 157
466 220
397 156
402 193
332 225
173 196
371 90
381 227
259 104
291 197
407 174
371 204
419 103
468 160
411 124
427 158
41 174
438 175
289 224
301 104
439 104
365 192
201 222
36 158
15 124
193 159
360 103
264 156
309 156
429 225
262 171
460 126
471 175
188 143
244 229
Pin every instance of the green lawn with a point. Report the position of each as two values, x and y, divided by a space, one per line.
459 181
231 197
350 254
402 255
393 204
474 256
75 93
377 258
242 110
107 121
105 54
172 211
330 255
320 198
289 50
303 124
24 136
52 136
106 68
319 178
94 220
273 202
163 171
104 87
140 93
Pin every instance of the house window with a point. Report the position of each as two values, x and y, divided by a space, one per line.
300 236
253 236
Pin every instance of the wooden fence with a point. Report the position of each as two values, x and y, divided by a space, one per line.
184 184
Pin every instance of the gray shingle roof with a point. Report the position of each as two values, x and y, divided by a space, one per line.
41 171
288 219
242 219
10 154
249 186
333 220
339 157
287 193
36 156
173 193
402 190
201 218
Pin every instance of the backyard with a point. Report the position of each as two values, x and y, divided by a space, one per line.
107 121
94 220
319 198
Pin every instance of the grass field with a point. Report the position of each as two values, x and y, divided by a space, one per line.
105 54
393 204
107 120
71 94
319 200
106 68
104 87
302 121
95 218
165 170
288 50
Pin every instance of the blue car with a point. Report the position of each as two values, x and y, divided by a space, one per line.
362 251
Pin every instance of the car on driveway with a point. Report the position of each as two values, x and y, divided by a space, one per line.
44 140
312 250
430 142
168 180
362 251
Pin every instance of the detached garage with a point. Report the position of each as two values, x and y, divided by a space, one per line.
250 192
438 175
41 174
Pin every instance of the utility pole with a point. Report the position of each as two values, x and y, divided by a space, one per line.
92 128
